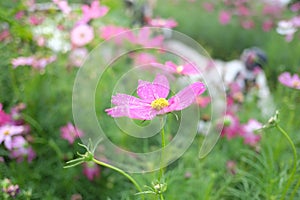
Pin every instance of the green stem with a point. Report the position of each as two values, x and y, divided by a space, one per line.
163 145
121 172
295 189
284 133
161 197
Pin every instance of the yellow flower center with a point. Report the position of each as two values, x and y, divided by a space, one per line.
6 132
159 104
179 69
296 83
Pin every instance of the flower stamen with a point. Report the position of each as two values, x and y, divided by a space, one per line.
159 103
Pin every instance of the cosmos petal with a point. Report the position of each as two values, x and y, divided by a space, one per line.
186 97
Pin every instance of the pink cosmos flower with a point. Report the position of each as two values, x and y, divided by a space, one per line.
243 10
6 133
295 7
91 170
142 59
34 20
224 17
93 12
164 23
70 133
153 100
290 81
4 34
248 130
19 15
267 25
106 32
4 117
145 39
231 126
209 7
77 56
247 24
21 149
63 6
296 21
203 101
82 35
37 63
185 69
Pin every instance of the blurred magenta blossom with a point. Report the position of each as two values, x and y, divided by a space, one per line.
248 132
93 12
224 17
292 81
82 35
33 61
164 23
185 69
7 132
231 126
153 100
91 170
63 6
21 149
69 132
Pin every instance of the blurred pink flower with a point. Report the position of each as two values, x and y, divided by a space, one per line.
4 117
107 32
243 10
82 35
63 6
6 133
185 69
248 132
231 167
91 170
224 17
153 100
290 81
248 24
231 126
296 21
144 38
93 12
4 34
77 56
19 14
142 58
295 7
209 7
164 23
203 101
34 20
274 10
70 133
21 149
267 25
37 63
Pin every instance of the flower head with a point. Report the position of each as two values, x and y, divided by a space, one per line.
21 149
70 133
224 17
4 117
91 170
6 133
231 126
185 69
290 81
248 132
82 35
93 12
153 100
164 23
